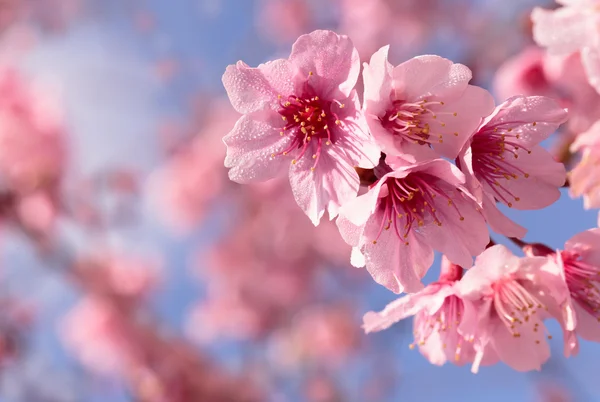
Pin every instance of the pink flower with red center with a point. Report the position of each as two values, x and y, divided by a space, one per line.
504 163
304 111
438 312
407 214
579 265
569 29
423 108
510 296
584 179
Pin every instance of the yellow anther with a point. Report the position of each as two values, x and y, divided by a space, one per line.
455 114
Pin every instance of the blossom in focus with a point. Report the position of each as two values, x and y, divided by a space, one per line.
407 214
503 161
510 296
302 111
570 29
423 108
438 312
584 179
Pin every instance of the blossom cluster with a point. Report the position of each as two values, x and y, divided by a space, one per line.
416 162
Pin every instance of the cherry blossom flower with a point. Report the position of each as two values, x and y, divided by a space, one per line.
407 214
503 161
524 74
579 265
422 108
584 179
302 110
510 296
438 312
569 29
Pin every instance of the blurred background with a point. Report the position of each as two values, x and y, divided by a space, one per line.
134 270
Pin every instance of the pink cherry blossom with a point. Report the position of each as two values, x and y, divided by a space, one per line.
422 108
569 29
584 178
579 265
503 161
301 110
407 214
524 74
510 296
438 311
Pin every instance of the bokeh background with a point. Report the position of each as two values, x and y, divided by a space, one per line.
145 275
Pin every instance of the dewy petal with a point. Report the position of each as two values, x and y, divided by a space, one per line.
590 56
565 30
333 183
377 76
429 75
532 118
254 89
331 58
351 233
250 146
359 209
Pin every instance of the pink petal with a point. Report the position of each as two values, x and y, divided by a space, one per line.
587 244
565 30
584 180
250 146
254 89
491 265
474 104
465 163
587 139
590 56
425 76
459 240
359 209
521 112
397 310
393 264
499 222
525 353
377 76
541 188
333 183
331 58
350 232
355 142
587 325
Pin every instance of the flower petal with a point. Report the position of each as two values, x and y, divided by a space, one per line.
565 30
254 89
377 76
425 76
333 183
250 146
590 56
331 58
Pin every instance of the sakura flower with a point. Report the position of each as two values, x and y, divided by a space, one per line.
569 29
438 312
422 108
524 74
584 179
503 161
407 214
510 296
579 265
301 110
